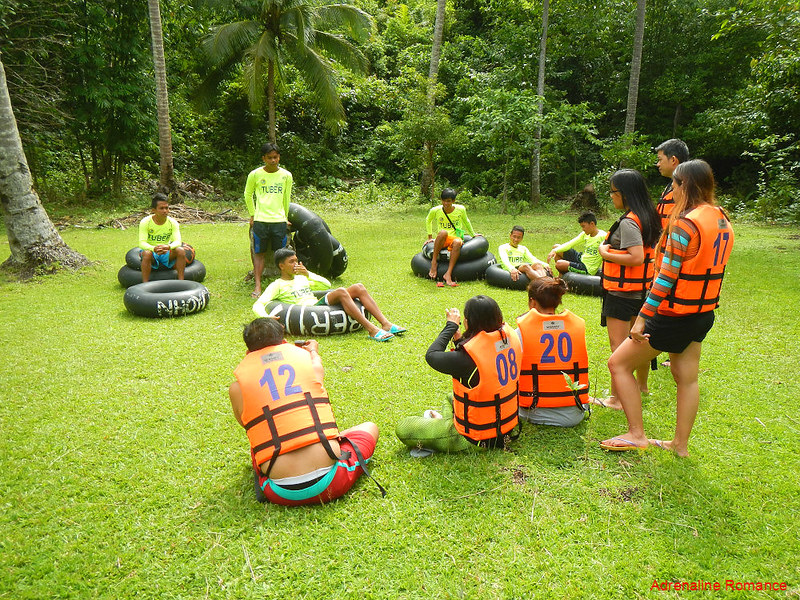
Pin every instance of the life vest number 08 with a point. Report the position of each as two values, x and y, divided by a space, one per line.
506 366
289 389
564 347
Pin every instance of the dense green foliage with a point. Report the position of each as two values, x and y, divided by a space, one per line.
722 78
123 473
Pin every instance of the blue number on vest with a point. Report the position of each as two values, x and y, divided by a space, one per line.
564 348
506 366
288 389
722 236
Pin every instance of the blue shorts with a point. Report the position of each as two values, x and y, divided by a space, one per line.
268 236
160 261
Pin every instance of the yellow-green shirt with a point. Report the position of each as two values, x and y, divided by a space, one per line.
437 220
272 191
151 234
297 290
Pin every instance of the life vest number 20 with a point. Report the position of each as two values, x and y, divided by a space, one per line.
564 347
288 389
506 366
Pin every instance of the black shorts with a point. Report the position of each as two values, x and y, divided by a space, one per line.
575 263
268 236
674 334
617 307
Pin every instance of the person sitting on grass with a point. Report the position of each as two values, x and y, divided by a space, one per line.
160 241
294 287
586 262
484 367
516 258
450 222
553 349
299 455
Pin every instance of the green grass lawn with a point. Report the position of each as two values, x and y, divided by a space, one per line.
123 473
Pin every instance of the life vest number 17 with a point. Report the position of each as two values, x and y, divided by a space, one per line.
723 236
288 389
506 366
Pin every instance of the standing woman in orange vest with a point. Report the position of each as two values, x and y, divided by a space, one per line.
679 310
484 366
627 265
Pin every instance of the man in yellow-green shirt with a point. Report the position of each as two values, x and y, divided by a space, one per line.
448 223
160 240
587 261
516 258
269 212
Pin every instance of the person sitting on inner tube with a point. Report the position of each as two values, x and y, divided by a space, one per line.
516 258
294 287
451 222
299 455
160 241
587 262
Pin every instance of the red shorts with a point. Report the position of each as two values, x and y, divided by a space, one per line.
347 472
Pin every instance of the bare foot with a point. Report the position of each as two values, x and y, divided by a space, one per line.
610 402
669 445
434 268
644 391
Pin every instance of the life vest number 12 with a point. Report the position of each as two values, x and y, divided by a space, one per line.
289 389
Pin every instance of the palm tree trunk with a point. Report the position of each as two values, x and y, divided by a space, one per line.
536 159
167 171
436 50
636 67
273 132
33 239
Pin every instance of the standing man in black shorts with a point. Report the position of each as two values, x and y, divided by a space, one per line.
272 187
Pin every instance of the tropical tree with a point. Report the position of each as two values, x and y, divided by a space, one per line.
167 172
536 164
32 237
273 34
636 68
429 172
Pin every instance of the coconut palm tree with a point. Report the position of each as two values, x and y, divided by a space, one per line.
272 34
636 67
167 171
33 240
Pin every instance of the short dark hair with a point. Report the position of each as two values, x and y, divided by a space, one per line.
518 228
281 254
547 291
448 193
269 147
158 197
262 332
674 147
587 217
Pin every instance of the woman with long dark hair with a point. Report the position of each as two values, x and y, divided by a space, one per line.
679 309
627 265
484 367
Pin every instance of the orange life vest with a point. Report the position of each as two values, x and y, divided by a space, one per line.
665 205
489 410
700 278
622 278
553 345
286 406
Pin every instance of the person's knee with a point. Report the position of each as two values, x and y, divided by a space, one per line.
180 253
457 243
147 256
356 290
336 296
442 234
